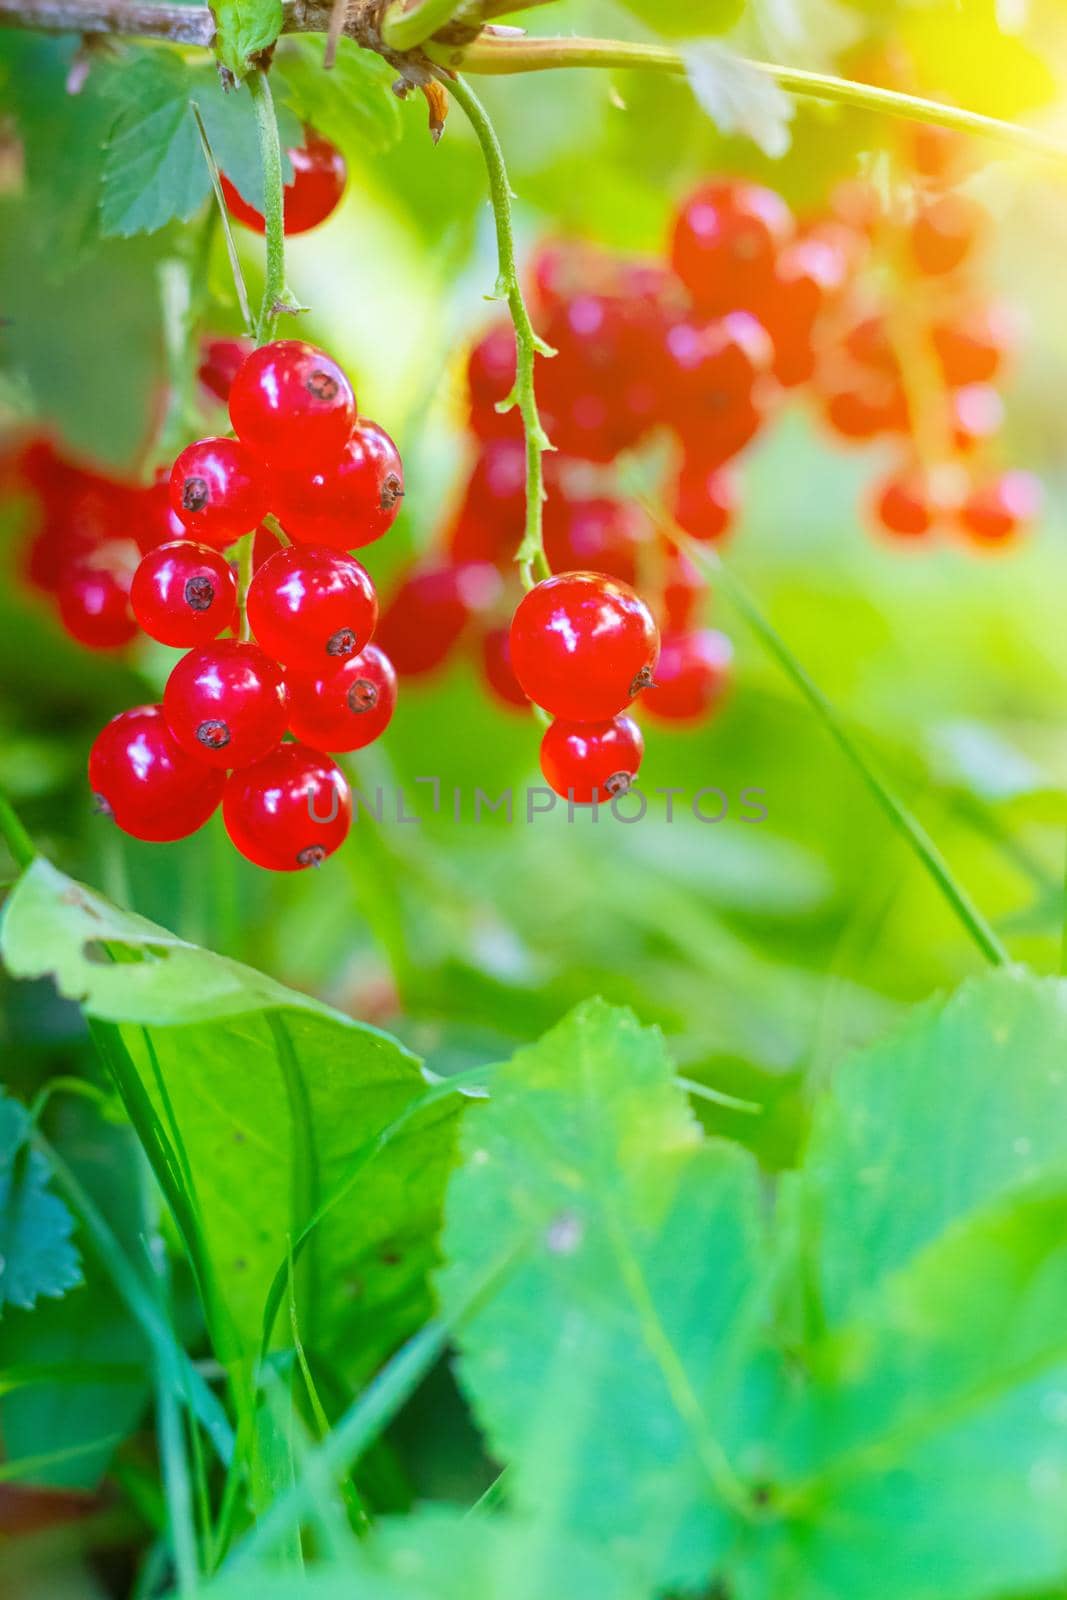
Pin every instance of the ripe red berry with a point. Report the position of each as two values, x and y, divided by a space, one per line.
142 778
291 404
598 534
158 522
216 490
866 407
289 811
227 703
691 676
684 593
904 504
94 606
348 502
1000 509
491 378
346 709
945 232
583 646
498 672
220 362
184 594
589 762
705 503
973 346
428 613
312 608
809 275
312 193
488 525
726 240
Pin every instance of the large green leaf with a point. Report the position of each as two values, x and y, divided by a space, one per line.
965 1104
599 1367
245 28
36 1253
257 1105
154 169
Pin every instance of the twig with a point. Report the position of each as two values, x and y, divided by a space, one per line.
533 563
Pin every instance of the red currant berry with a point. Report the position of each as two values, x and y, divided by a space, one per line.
429 613
94 607
141 777
974 346
867 407
491 378
904 504
289 811
220 362
497 670
489 523
312 608
312 194
600 534
583 646
217 492
227 703
684 593
158 522
998 511
976 414
588 762
705 503
691 676
939 153
809 275
726 240
348 503
292 404
184 594
945 232
346 709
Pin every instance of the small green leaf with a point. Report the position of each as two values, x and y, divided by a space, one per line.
36 1253
739 98
245 29
599 1366
154 168
687 19
352 104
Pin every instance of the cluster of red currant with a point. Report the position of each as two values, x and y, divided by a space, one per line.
296 656
916 353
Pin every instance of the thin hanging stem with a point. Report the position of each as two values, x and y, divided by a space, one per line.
533 563
907 825
275 294
224 216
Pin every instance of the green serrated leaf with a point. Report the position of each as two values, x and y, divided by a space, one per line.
352 104
739 98
244 29
36 1253
154 170
966 1104
595 1368
260 1105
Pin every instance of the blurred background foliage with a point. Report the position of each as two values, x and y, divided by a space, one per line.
765 951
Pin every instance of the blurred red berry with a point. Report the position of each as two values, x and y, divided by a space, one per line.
727 237
312 194
691 676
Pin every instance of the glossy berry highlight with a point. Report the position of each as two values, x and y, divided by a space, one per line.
142 778
289 811
227 703
184 594
583 646
291 403
346 709
590 762
217 491
312 608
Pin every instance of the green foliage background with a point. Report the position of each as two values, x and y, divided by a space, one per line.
648 1329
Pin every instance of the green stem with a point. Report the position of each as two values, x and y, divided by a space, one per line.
275 294
245 552
405 24
492 54
1063 940
223 215
902 819
533 564
18 841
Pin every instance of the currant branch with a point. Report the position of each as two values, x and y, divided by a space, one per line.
533 563
496 54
